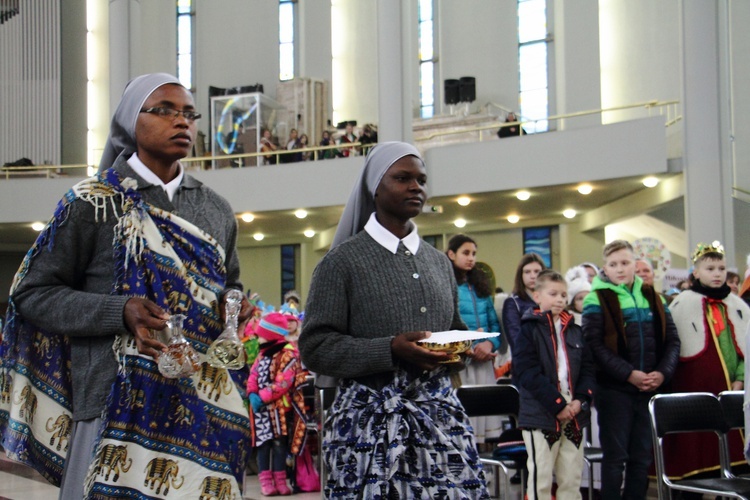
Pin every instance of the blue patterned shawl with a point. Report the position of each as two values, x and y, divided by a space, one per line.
187 436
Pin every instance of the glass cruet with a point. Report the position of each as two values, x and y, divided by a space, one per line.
227 351
180 359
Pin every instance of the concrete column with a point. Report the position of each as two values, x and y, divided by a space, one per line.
578 71
394 75
124 18
708 181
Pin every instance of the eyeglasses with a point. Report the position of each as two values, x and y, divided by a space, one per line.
170 113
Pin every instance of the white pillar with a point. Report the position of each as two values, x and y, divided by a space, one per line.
708 181
394 73
124 18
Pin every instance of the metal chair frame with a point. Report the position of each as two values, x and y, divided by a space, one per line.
493 400
693 412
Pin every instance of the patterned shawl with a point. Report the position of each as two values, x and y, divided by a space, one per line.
186 436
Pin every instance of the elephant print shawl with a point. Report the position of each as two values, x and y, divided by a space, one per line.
160 437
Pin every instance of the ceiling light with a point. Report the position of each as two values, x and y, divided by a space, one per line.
258 236
650 182
585 189
463 201
309 233
247 217
523 195
513 219
300 214
569 213
459 223
38 226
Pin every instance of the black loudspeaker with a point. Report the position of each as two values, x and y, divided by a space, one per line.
450 91
467 90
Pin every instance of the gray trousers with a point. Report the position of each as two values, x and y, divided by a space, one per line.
80 455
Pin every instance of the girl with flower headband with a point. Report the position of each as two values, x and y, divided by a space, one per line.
711 323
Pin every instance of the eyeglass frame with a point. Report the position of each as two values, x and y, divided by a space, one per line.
159 111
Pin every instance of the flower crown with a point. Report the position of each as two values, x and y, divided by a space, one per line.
702 249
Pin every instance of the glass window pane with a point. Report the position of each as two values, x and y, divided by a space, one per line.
183 6
286 61
425 41
425 10
426 84
532 62
427 111
532 20
534 106
185 70
286 22
184 39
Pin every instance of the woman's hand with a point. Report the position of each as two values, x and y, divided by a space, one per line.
482 351
140 317
406 348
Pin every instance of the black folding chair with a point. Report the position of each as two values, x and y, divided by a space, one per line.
591 455
693 412
734 413
494 400
324 396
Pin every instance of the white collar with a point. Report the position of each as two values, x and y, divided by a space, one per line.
388 240
149 176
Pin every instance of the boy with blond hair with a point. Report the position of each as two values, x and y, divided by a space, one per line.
555 377
635 347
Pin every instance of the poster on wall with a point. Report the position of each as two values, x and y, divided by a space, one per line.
539 241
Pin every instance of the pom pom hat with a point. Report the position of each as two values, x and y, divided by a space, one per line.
272 326
578 281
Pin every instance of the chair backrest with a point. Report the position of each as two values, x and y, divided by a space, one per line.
731 404
487 400
686 412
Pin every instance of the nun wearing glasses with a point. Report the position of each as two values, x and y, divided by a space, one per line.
396 428
124 250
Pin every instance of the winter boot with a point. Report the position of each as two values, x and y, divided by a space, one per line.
279 477
267 488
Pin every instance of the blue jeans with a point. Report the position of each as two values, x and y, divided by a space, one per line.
625 436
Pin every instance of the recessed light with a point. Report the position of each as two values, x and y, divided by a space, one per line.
309 233
38 226
513 219
247 217
523 195
463 201
569 213
258 236
300 214
650 182
459 223
585 189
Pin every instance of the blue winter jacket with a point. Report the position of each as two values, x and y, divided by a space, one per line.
513 309
478 312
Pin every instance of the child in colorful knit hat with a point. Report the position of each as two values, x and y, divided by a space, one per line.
711 322
277 407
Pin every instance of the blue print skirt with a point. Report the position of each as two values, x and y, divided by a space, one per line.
412 439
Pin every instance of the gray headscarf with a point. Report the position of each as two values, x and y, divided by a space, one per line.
122 131
361 202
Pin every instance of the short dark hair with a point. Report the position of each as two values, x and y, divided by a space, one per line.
549 276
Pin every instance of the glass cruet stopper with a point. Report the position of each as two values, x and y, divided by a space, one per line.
227 351
180 359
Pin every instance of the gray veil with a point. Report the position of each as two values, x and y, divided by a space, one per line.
361 202
122 130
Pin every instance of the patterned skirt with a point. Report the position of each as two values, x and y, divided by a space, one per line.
412 439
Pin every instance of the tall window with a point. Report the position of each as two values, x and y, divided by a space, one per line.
426 60
532 62
185 42
289 258
286 39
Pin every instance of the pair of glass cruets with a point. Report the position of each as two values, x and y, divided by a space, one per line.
181 360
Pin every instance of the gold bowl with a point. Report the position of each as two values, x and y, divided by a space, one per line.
453 348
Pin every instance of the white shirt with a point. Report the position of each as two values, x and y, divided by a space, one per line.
149 176
562 360
390 241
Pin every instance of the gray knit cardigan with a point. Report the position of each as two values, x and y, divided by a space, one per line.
67 288
362 295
